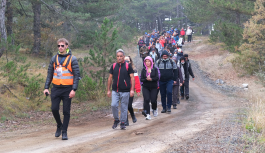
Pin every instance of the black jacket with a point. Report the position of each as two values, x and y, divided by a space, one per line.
75 69
188 70
122 82
153 75
168 70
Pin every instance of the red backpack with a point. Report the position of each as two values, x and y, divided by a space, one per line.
126 64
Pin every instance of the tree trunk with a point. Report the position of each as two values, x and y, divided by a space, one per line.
9 22
238 18
36 7
159 23
2 25
66 24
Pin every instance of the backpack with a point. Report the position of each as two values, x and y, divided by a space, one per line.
126 64
161 60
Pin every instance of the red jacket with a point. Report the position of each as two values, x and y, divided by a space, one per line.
182 32
137 82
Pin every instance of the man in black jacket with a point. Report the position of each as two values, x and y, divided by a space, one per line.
63 73
168 76
123 84
188 71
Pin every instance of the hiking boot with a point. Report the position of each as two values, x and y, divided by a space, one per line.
134 119
187 97
148 117
174 106
64 135
144 113
122 126
178 102
169 110
164 111
182 97
116 122
58 131
155 113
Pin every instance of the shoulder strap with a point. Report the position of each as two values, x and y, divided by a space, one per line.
171 62
127 65
70 57
159 63
114 64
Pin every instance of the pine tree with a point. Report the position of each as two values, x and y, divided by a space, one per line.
103 54
253 50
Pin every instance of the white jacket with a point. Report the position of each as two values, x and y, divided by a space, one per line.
180 41
189 32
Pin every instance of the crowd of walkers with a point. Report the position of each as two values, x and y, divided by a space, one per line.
166 69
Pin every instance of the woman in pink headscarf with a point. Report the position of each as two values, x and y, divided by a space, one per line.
149 77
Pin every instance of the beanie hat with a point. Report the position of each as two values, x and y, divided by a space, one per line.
165 53
182 58
186 55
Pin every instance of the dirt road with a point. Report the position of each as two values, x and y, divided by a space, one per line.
204 107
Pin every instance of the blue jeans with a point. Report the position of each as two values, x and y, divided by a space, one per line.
166 93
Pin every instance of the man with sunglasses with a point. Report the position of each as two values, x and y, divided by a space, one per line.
63 73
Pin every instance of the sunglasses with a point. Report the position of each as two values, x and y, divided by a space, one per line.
60 46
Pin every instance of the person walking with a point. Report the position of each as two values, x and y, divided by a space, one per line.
168 76
180 42
140 43
137 89
63 73
183 33
189 33
149 77
188 71
177 85
123 84
144 51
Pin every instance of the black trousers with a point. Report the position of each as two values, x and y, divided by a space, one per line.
149 95
184 89
130 108
58 94
189 38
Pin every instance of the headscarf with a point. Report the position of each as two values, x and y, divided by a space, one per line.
152 64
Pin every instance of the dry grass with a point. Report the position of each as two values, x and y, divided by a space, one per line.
256 115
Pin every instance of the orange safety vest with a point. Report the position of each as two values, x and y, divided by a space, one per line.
67 77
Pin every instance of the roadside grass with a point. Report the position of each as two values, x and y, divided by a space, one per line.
256 116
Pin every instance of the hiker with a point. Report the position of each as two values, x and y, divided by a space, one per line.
147 40
188 71
149 77
63 73
162 42
189 33
177 85
159 47
153 54
123 83
169 75
137 89
180 42
182 33
140 42
144 51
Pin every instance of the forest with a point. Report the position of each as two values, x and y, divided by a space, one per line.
30 28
